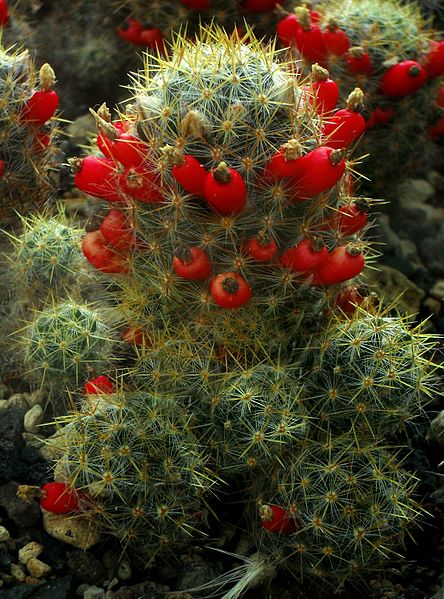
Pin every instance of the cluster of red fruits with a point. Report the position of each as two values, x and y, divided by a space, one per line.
315 44
38 110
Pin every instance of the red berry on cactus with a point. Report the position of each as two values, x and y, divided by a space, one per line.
310 40
60 498
286 30
308 255
225 190
322 168
324 92
402 79
275 519
105 143
101 256
152 39
440 97
3 13
433 61
348 299
352 218
99 385
43 103
191 263
336 40
129 150
380 116
130 31
260 248
344 263
117 230
230 290
134 336
2 168
97 177
345 126
142 184
359 61
438 129
189 172
286 161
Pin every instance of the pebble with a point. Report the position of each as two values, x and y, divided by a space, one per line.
415 190
18 572
32 580
432 305
29 551
38 568
437 291
33 418
80 532
4 534
436 430
124 571
94 593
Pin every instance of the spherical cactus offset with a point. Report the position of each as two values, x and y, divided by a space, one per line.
47 255
390 51
26 132
66 342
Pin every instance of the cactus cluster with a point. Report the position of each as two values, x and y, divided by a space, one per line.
393 54
232 234
27 104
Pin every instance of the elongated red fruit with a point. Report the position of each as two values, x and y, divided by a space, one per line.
275 518
190 174
4 18
359 61
285 162
308 255
99 385
97 177
322 168
343 127
336 40
433 62
324 92
225 190
102 256
402 79
60 498
344 263
43 103
130 31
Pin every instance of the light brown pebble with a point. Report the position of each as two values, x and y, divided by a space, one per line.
18 572
433 305
4 534
38 568
33 418
80 531
32 580
29 551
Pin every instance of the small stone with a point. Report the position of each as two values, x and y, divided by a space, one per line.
4 534
415 190
18 572
80 590
33 418
32 580
437 291
436 431
29 551
124 571
38 568
80 532
432 305
94 593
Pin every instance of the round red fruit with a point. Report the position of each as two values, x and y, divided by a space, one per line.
130 31
336 40
311 44
352 218
225 190
152 38
306 256
348 299
105 144
286 30
192 263
129 150
260 249
324 92
434 60
344 263
402 79
359 61
142 184
190 174
322 169
275 519
285 162
342 128
100 385
60 498
230 290
97 177
117 230
101 256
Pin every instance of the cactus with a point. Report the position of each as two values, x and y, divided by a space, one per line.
235 231
364 43
65 343
26 150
